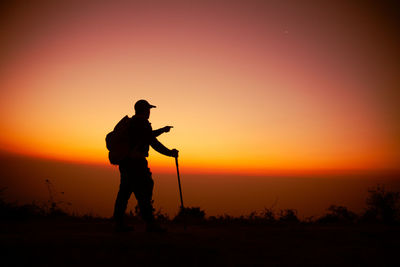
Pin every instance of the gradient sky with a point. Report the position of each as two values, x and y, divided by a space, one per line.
249 86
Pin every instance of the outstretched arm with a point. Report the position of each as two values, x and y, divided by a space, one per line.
165 129
160 148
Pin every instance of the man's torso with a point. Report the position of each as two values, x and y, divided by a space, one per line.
140 135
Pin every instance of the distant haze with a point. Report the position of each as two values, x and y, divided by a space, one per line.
93 188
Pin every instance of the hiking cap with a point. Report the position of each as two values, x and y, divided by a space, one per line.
143 105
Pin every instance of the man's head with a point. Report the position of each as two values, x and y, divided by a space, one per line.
142 107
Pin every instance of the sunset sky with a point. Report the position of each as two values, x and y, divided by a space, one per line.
249 86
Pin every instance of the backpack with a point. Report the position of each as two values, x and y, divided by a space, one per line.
117 141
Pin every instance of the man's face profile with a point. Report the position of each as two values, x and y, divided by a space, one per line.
147 113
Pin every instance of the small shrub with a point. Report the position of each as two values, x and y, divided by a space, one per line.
161 217
133 216
338 214
268 215
13 211
55 208
382 206
192 215
288 215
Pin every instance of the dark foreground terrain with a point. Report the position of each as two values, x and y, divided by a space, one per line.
66 242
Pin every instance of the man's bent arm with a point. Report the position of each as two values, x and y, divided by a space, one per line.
158 132
165 129
160 148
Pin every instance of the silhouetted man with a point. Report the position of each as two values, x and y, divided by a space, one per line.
135 174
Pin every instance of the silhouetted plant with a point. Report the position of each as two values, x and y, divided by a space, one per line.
268 215
382 205
161 217
54 208
14 211
253 216
223 219
192 215
133 216
288 215
265 216
309 220
338 214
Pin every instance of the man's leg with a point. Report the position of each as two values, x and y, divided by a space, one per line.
124 193
144 195
121 203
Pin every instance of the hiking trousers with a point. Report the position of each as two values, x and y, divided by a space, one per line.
135 178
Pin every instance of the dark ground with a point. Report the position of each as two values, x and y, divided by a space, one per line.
58 242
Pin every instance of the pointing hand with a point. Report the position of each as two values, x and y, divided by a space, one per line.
166 129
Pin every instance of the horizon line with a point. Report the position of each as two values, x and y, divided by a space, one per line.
218 171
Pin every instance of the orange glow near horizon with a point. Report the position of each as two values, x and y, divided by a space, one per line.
248 88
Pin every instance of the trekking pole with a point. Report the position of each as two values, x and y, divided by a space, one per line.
179 182
182 212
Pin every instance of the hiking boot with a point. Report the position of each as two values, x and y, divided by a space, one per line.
155 228
122 228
